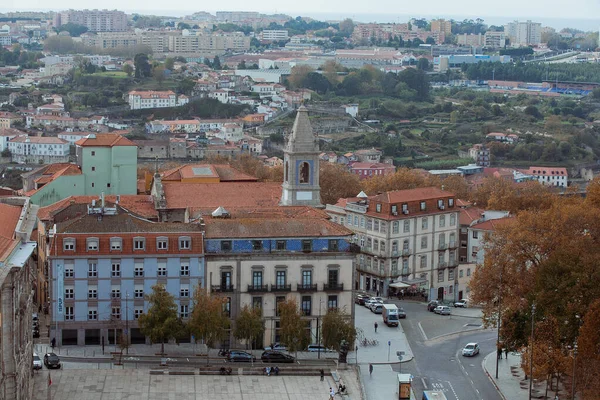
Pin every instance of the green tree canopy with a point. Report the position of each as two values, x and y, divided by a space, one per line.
161 322
337 326
292 326
208 320
249 324
143 69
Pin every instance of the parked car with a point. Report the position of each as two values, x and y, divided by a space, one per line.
432 305
461 303
277 347
37 363
470 350
401 312
51 360
314 348
377 308
374 304
360 299
276 357
442 310
240 356
378 299
368 302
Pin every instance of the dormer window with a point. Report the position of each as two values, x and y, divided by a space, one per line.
185 243
394 209
162 243
139 243
423 206
92 244
378 207
450 202
441 204
69 244
116 244
405 208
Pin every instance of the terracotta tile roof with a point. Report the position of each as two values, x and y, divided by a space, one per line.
357 165
272 227
151 94
39 140
468 215
547 171
122 223
142 205
105 140
492 224
9 217
11 132
417 194
208 196
276 212
224 172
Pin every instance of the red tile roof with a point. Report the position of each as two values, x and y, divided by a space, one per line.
207 197
492 224
225 173
142 205
468 215
9 217
38 140
105 140
417 194
272 227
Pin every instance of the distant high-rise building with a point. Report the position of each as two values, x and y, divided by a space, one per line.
441 25
94 20
524 33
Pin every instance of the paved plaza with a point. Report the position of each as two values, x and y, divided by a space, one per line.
140 385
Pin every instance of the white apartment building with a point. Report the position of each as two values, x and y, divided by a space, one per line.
275 34
73 137
524 33
139 100
231 132
39 150
494 40
549 176
94 20
407 235
477 231
6 134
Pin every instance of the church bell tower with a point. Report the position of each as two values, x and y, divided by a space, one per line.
301 165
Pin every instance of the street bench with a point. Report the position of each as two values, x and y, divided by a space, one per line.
157 372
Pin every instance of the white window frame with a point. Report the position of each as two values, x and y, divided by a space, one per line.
162 243
184 270
69 244
69 293
185 243
115 269
92 269
92 292
139 243
69 313
92 314
116 244
92 244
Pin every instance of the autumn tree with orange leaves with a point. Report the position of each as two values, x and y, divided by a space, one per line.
337 183
403 178
549 256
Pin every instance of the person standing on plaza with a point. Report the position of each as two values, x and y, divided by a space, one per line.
370 369
322 375
331 394
375 325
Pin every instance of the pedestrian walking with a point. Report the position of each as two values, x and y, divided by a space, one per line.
53 343
378 293
322 375
331 393
370 369
499 353
506 353
375 325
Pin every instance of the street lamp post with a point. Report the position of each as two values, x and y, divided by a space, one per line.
574 358
499 322
318 333
126 323
531 351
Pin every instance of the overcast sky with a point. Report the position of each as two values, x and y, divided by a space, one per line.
542 9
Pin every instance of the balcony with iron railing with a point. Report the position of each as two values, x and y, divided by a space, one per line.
333 287
281 288
453 263
453 244
442 246
221 288
306 288
258 288
442 264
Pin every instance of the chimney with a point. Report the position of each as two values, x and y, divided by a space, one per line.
102 199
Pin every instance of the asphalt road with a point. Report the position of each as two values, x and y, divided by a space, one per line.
436 342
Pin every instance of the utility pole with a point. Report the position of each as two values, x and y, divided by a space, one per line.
573 385
531 351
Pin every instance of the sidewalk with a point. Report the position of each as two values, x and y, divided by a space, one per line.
511 382
383 383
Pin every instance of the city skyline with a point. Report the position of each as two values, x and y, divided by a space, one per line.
362 12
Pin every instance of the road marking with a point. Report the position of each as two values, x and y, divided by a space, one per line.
453 391
422 331
424 383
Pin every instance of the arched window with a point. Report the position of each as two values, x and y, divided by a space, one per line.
287 167
304 173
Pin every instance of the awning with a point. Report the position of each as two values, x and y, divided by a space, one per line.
399 285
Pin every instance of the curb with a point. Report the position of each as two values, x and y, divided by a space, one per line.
490 376
456 333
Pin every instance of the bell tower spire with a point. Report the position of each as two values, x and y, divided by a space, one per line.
301 165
